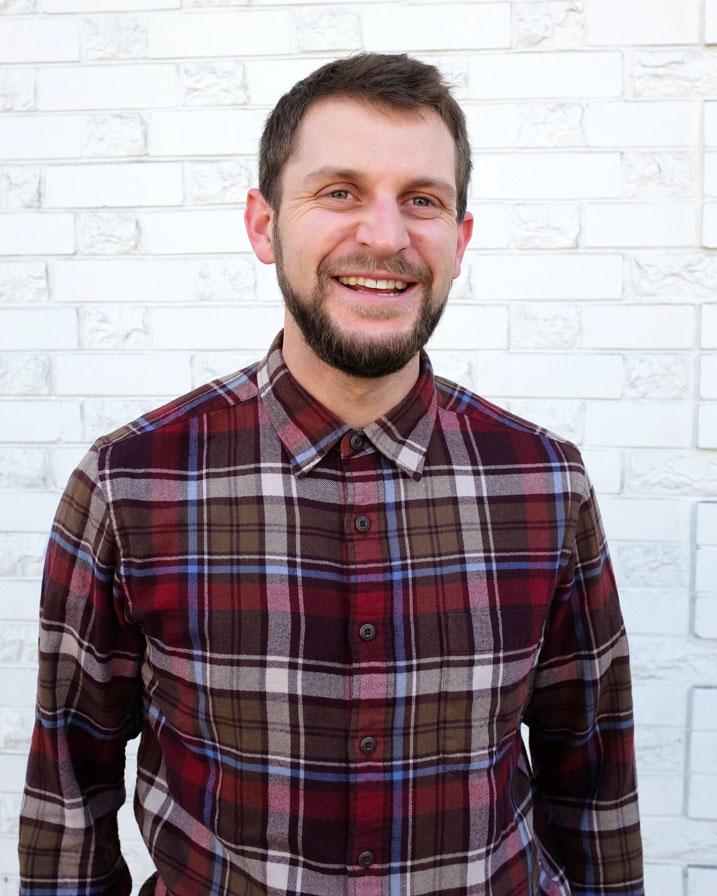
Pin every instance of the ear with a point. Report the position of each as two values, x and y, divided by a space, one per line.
259 221
465 231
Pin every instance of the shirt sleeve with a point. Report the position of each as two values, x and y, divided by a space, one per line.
581 724
88 705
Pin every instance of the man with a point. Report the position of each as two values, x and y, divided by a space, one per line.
328 590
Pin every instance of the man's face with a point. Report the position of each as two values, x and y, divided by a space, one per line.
368 196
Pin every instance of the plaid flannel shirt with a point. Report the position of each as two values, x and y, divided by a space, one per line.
329 641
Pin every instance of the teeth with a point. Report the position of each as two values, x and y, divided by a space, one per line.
371 283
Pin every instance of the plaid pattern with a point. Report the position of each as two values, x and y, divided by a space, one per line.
208 585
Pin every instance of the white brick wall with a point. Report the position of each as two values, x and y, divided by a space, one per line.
128 132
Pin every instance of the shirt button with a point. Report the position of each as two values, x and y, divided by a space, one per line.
356 442
362 523
368 744
366 858
367 631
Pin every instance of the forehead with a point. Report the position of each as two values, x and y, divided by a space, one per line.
346 133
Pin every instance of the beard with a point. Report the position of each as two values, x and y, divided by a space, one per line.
351 353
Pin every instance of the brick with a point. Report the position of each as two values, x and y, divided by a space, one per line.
633 424
672 276
224 280
704 709
114 327
663 880
709 225
65 458
660 175
710 169
26 511
545 74
38 40
216 83
205 132
702 797
639 224
16 729
493 227
703 749
104 415
471 327
563 375
656 375
642 123
207 366
710 25
237 327
195 231
267 82
671 472
674 73
651 611
710 130
241 33
116 134
555 24
655 701
38 328
24 690
605 469
708 376
37 233
114 37
129 86
41 420
616 23
23 467
19 186
126 373
645 519
707 523
705 570
547 277
17 89
327 29
41 136
551 124
468 27
108 234
23 282
544 326
707 426
709 326
702 881
59 6
545 226
110 184
208 183
564 417
121 280
660 748
10 7
24 374
637 326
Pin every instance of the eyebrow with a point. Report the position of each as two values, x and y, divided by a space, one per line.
328 172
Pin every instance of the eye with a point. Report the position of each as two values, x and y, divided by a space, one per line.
421 201
339 194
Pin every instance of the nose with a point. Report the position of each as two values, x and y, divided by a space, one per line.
382 228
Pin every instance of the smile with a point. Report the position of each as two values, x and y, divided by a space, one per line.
369 286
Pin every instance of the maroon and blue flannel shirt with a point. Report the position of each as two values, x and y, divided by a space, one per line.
328 641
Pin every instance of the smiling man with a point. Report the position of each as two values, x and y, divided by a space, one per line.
330 590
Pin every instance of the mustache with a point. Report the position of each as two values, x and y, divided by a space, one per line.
394 264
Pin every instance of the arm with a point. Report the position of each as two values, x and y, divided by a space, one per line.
581 729
88 705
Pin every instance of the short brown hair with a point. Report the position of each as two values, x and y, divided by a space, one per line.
395 81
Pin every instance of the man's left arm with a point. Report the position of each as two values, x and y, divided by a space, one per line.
581 724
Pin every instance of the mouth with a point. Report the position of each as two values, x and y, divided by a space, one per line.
375 287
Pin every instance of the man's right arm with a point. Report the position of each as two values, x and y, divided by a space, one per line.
88 704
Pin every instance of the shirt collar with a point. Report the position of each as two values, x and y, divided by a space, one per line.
308 430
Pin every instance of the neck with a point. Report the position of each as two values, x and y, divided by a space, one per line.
355 400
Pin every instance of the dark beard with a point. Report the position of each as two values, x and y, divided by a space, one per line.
355 355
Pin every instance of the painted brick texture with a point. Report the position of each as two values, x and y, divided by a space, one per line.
128 136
